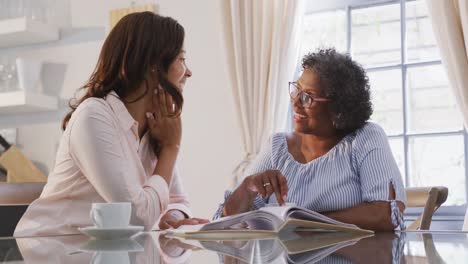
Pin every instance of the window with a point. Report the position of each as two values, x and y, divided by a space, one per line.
412 99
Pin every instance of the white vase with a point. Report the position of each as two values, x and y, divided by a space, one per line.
29 73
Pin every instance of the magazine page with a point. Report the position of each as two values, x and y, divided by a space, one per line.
256 220
319 227
306 214
295 212
225 223
275 209
226 235
260 223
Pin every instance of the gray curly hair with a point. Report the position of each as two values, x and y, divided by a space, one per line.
346 84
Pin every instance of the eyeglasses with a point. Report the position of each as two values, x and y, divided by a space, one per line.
305 99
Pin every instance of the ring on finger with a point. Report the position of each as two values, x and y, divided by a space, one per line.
266 184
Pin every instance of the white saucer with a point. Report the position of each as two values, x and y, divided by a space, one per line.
111 233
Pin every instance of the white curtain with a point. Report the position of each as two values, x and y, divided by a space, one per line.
450 24
262 48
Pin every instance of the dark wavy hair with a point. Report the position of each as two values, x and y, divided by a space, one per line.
138 43
346 84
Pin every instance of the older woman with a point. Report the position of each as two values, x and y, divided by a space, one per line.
335 162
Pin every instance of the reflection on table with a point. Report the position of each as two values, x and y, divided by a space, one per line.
154 247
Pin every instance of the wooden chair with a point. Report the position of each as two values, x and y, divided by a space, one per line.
431 198
14 200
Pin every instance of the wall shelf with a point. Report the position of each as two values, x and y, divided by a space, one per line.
22 31
26 102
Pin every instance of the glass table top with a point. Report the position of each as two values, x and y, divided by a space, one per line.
155 247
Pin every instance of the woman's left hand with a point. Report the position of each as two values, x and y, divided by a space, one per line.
175 218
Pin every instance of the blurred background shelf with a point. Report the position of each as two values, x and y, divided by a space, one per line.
24 31
25 102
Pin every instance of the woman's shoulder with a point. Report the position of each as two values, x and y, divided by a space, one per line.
275 144
371 129
281 140
371 135
276 147
278 139
91 107
93 103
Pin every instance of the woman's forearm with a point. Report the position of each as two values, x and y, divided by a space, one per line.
374 216
166 163
240 201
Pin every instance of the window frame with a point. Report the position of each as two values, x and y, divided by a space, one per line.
446 213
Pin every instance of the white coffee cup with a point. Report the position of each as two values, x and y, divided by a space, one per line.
111 215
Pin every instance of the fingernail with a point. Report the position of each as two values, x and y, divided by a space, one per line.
160 87
155 91
285 197
148 114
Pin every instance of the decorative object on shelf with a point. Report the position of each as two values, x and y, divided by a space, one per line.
117 14
29 73
19 168
8 74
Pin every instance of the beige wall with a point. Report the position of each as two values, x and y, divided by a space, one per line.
211 142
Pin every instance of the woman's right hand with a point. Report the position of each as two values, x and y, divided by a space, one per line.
164 127
265 184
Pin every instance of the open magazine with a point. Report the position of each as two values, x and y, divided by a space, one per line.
267 222
306 248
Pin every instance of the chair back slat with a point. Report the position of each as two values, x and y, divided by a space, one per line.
430 198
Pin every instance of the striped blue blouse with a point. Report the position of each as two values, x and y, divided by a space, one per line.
360 168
